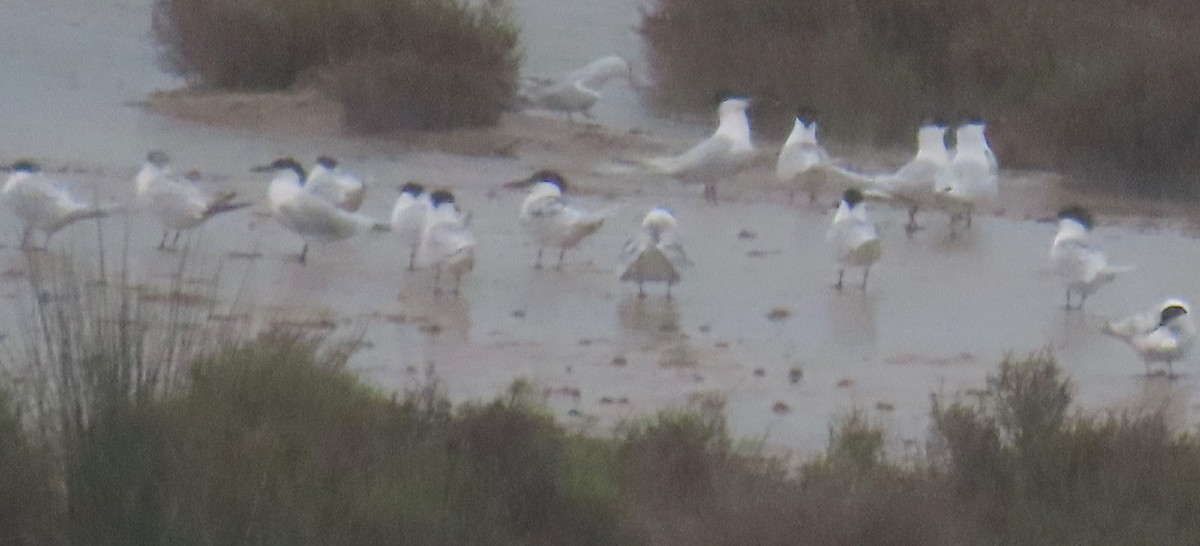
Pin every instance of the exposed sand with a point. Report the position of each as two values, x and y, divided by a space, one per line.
580 147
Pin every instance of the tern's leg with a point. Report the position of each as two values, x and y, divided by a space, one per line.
812 196
912 221
1068 308
710 193
538 264
162 245
668 290
641 293
866 271
412 258
457 282
1082 298
969 217
561 254
841 272
304 254
437 280
25 235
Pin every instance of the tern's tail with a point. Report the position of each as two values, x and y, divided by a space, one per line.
589 224
223 203
1109 273
369 223
850 177
84 214
1115 330
659 165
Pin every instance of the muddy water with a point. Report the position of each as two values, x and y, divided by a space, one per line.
939 312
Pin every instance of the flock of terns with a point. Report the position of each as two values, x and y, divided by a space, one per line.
321 205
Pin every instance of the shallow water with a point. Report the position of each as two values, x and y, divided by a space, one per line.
937 316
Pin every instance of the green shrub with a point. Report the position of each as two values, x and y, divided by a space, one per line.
1025 471
29 508
393 64
1099 89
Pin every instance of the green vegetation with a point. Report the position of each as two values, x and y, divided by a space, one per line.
108 438
393 64
1099 89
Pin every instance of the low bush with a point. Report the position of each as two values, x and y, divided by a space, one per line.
272 441
393 64
1099 89
1026 471
29 508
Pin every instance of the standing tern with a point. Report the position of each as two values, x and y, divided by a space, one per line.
802 161
853 238
176 203
577 91
913 184
328 181
654 254
42 203
314 219
446 242
552 221
1082 267
408 217
722 155
1162 334
970 180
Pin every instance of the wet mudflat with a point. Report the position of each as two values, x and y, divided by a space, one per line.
755 319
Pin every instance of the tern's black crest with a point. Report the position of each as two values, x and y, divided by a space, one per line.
327 162
1077 213
289 163
158 158
25 166
806 113
1170 312
852 197
551 177
723 95
974 120
412 188
437 197
934 120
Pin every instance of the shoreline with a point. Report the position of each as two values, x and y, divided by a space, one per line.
1025 195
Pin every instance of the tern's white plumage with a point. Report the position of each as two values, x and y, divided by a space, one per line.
446 242
175 202
408 217
971 179
314 219
802 161
853 237
1162 334
551 220
577 91
722 155
654 253
913 184
329 182
1082 267
41 203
